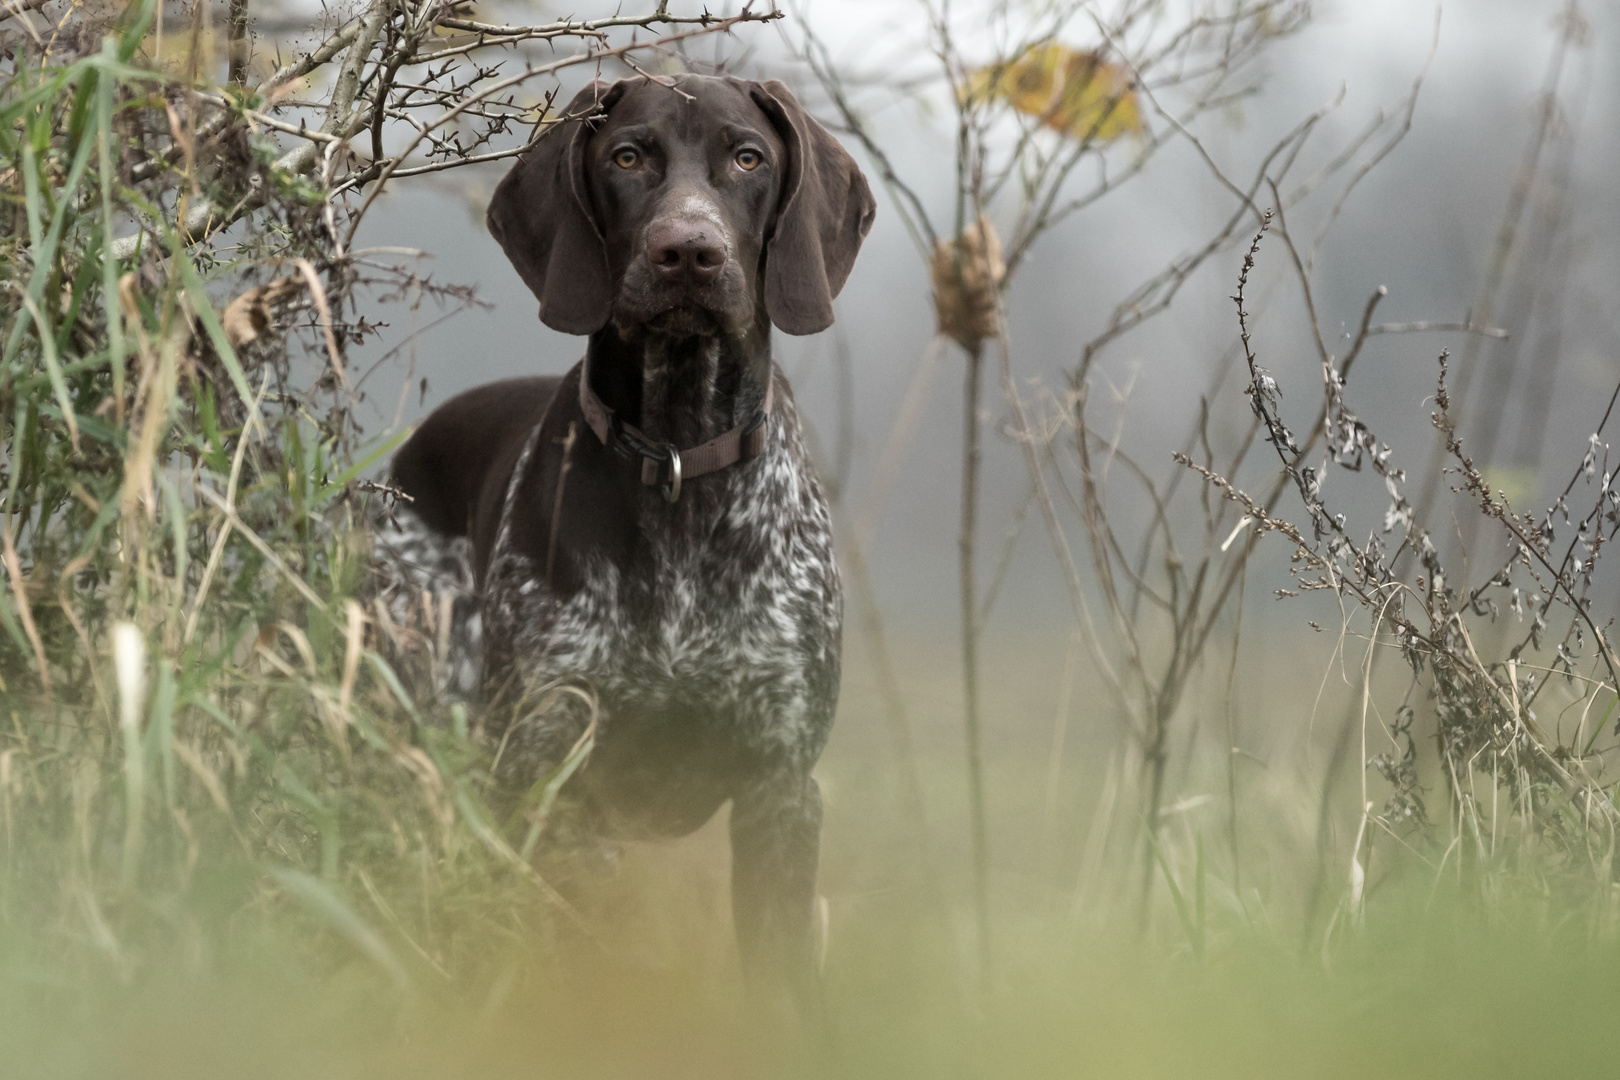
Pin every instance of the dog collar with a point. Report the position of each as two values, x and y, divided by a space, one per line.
661 462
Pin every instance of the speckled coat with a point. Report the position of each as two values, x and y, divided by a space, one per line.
708 633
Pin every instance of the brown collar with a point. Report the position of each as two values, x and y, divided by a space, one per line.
662 463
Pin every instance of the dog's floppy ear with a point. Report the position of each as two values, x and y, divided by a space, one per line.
540 214
825 211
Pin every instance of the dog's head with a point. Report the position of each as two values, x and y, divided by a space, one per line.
682 210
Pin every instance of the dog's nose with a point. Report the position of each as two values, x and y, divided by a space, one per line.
685 250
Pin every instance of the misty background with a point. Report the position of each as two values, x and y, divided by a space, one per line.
1422 224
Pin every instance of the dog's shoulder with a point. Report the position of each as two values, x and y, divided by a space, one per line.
446 464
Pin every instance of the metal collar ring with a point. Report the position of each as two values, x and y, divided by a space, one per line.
672 490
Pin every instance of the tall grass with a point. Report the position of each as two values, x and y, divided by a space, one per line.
200 730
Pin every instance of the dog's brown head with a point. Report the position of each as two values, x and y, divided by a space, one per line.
682 210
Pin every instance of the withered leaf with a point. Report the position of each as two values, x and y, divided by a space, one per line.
1075 92
249 315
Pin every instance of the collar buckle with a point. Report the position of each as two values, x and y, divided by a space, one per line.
627 442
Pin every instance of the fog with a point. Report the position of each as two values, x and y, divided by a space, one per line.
1422 224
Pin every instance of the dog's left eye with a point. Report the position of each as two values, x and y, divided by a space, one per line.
749 160
626 157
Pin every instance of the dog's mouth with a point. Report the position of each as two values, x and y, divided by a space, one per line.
705 311
686 319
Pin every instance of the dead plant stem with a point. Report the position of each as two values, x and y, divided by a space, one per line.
972 392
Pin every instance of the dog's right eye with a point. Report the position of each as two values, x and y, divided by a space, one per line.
627 157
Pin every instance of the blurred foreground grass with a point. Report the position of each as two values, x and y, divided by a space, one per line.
1463 963
1437 981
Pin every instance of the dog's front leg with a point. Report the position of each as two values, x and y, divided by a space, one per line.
775 846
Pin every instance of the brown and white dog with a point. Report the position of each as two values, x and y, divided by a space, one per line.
648 527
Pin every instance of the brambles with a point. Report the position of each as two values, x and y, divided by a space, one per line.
1482 697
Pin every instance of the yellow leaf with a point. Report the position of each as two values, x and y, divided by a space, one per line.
1074 92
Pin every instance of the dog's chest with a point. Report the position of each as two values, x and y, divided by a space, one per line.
727 621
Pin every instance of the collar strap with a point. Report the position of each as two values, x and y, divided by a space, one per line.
661 463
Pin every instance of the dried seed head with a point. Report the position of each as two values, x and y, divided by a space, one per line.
967 273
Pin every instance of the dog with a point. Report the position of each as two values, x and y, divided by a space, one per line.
647 530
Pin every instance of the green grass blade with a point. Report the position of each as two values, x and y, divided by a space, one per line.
543 795
32 195
391 680
1182 911
160 731
331 909
177 522
8 619
53 369
109 266
135 32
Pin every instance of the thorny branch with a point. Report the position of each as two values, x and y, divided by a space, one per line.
398 63
1481 708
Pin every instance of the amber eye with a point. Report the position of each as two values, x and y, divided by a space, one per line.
748 160
627 157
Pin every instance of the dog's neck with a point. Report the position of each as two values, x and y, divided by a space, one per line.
682 391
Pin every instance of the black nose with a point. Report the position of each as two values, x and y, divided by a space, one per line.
685 250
